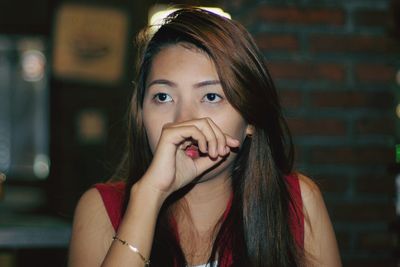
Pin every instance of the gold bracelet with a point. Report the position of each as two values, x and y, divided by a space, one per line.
134 249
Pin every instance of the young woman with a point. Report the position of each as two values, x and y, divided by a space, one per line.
207 179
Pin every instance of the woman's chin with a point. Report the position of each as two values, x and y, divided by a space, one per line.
215 172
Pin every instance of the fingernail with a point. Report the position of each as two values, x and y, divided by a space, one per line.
227 149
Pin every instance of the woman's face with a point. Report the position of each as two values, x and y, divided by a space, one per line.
183 85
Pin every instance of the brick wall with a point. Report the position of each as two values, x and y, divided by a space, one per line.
334 64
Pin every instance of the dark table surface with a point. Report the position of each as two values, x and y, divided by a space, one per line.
33 231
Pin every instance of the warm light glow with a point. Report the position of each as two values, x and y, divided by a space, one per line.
159 12
41 166
398 111
33 65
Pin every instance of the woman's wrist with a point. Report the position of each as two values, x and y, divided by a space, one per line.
148 194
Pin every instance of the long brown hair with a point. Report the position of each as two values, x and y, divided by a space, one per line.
256 230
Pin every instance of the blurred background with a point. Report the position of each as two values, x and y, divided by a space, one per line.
66 72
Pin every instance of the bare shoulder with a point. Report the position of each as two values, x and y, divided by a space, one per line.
307 185
319 237
91 231
90 209
310 192
90 198
313 202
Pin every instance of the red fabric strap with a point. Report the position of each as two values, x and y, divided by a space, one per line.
112 195
296 209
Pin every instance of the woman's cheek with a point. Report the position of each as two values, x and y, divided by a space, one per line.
152 136
155 138
234 127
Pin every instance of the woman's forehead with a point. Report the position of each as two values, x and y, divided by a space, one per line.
180 60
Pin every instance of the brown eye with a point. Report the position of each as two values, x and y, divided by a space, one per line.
212 98
162 97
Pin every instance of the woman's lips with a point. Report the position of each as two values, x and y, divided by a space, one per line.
192 152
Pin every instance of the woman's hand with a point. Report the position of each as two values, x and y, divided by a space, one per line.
184 151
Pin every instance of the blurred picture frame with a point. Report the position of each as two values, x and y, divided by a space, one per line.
90 43
91 126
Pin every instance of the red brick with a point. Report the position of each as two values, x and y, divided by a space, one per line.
352 155
368 262
353 212
375 73
285 42
306 71
333 183
343 240
308 126
352 99
291 98
235 4
375 126
375 241
305 16
379 184
371 17
298 153
353 44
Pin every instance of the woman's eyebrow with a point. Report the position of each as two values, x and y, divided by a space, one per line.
206 83
172 84
162 82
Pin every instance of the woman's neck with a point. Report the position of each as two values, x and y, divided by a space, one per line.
197 216
205 203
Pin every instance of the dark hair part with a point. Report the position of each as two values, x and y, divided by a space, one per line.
256 230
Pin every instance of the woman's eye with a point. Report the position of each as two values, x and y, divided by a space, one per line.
212 97
162 98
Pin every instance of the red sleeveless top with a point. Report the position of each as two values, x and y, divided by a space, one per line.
113 195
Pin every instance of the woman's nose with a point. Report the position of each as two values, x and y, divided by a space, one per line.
185 111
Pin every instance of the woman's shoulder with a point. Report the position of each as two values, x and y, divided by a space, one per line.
306 184
310 191
101 203
111 191
304 188
320 241
89 201
117 186
90 226
91 206
112 195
